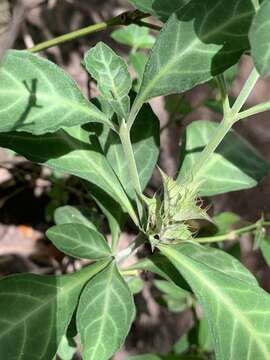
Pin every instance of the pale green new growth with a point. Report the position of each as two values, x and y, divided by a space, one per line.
135 36
112 76
169 218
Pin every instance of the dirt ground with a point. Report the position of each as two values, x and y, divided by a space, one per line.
25 189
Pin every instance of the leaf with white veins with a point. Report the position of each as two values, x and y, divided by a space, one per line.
112 76
200 41
37 96
238 312
36 311
105 313
79 241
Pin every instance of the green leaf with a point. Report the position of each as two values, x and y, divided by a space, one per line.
205 340
111 209
36 311
39 97
208 38
265 249
145 140
67 348
135 36
173 297
182 345
235 165
74 214
105 314
259 39
135 284
138 60
75 151
112 76
79 241
160 265
237 310
218 260
159 8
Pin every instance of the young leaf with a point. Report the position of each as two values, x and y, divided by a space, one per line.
36 311
105 314
112 76
237 311
39 97
235 165
259 39
75 152
159 8
74 214
79 241
135 36
207 39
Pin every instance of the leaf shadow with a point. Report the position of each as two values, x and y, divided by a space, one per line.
31 103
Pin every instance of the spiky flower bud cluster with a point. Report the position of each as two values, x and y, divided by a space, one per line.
169 217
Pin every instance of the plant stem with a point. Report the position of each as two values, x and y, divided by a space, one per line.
256 4
136 107
126 18
253 111
124 134
131 249
232 235
245 92
147 24
219 135
230 117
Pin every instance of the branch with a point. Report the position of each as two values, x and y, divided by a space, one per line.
126 18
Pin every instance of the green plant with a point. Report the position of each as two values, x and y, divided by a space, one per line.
113 145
